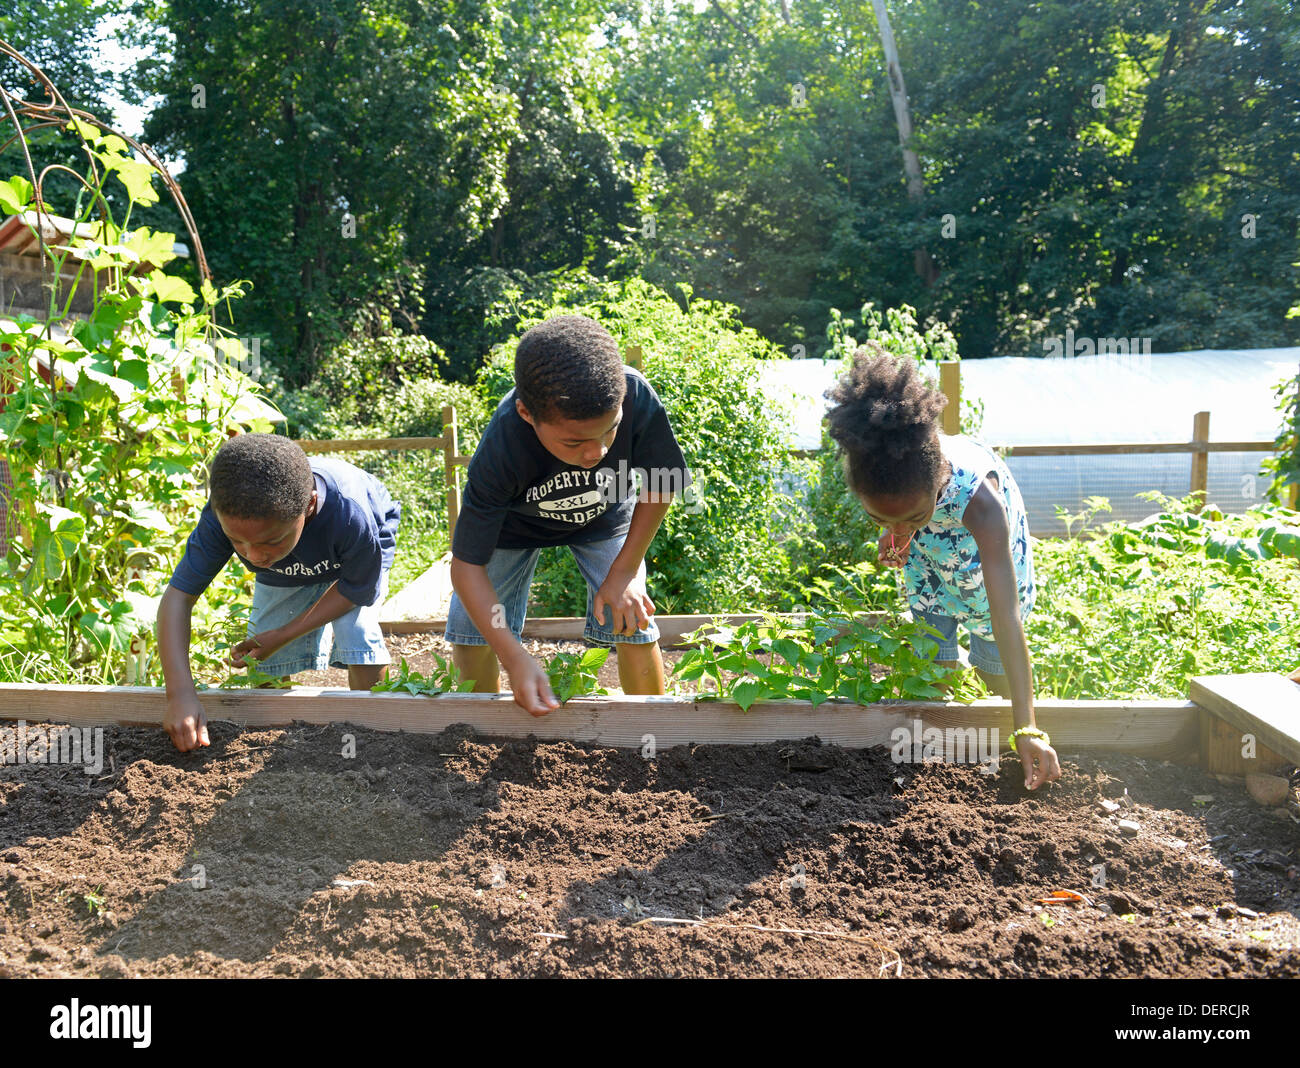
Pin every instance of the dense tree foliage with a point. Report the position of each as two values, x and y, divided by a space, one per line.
1124 170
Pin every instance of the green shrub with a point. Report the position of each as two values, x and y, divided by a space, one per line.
1184 594
1285 465
355 380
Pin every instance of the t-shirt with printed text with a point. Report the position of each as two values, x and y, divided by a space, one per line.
351 539
520 496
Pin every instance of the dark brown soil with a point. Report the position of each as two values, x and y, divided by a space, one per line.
449 854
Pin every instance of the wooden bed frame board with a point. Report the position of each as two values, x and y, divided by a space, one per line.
1167 730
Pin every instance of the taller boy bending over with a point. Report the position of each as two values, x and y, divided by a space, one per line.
555 468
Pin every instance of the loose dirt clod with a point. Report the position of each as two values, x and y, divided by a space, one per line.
1268 790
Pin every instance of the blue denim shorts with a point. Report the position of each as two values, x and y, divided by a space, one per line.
511 574
983 652
354 638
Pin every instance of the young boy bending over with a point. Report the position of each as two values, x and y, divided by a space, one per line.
320 535
555 467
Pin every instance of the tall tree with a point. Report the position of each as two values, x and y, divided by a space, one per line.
925 268
314 134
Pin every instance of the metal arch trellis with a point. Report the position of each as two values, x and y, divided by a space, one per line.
54 111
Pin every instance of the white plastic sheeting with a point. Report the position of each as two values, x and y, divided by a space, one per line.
1095 400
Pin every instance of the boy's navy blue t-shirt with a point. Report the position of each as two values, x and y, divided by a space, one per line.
520 496
351 539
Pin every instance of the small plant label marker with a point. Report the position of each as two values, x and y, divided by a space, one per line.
648 746
349 751
1098 875
199 880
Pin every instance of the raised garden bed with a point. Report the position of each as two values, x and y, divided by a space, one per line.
452 854
333 849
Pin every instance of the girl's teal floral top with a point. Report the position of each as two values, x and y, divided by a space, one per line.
943 575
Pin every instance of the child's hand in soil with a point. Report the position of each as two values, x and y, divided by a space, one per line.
530 685
626 597
1039 761
185 722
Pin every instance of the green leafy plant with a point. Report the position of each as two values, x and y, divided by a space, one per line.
1285 464
575 674
107 422
253 678
95 901
445 678
838 650
1186 593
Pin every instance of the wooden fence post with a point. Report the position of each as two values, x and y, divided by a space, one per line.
450 453
1201 458
1293 491
950 383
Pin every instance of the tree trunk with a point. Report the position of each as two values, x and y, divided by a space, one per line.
1153 114
925 266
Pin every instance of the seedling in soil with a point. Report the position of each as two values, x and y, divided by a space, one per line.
252 679
445 678
95 902
575 674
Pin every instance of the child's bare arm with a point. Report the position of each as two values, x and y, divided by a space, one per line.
184 720
528 682
329 607
631 606
987 522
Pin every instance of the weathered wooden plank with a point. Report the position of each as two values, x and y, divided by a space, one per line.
1159 729
1261 704
370 444
1221 746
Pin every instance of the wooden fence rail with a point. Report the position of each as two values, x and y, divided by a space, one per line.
448 442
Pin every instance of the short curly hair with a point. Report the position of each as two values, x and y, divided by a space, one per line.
569 367
884 421
261 476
